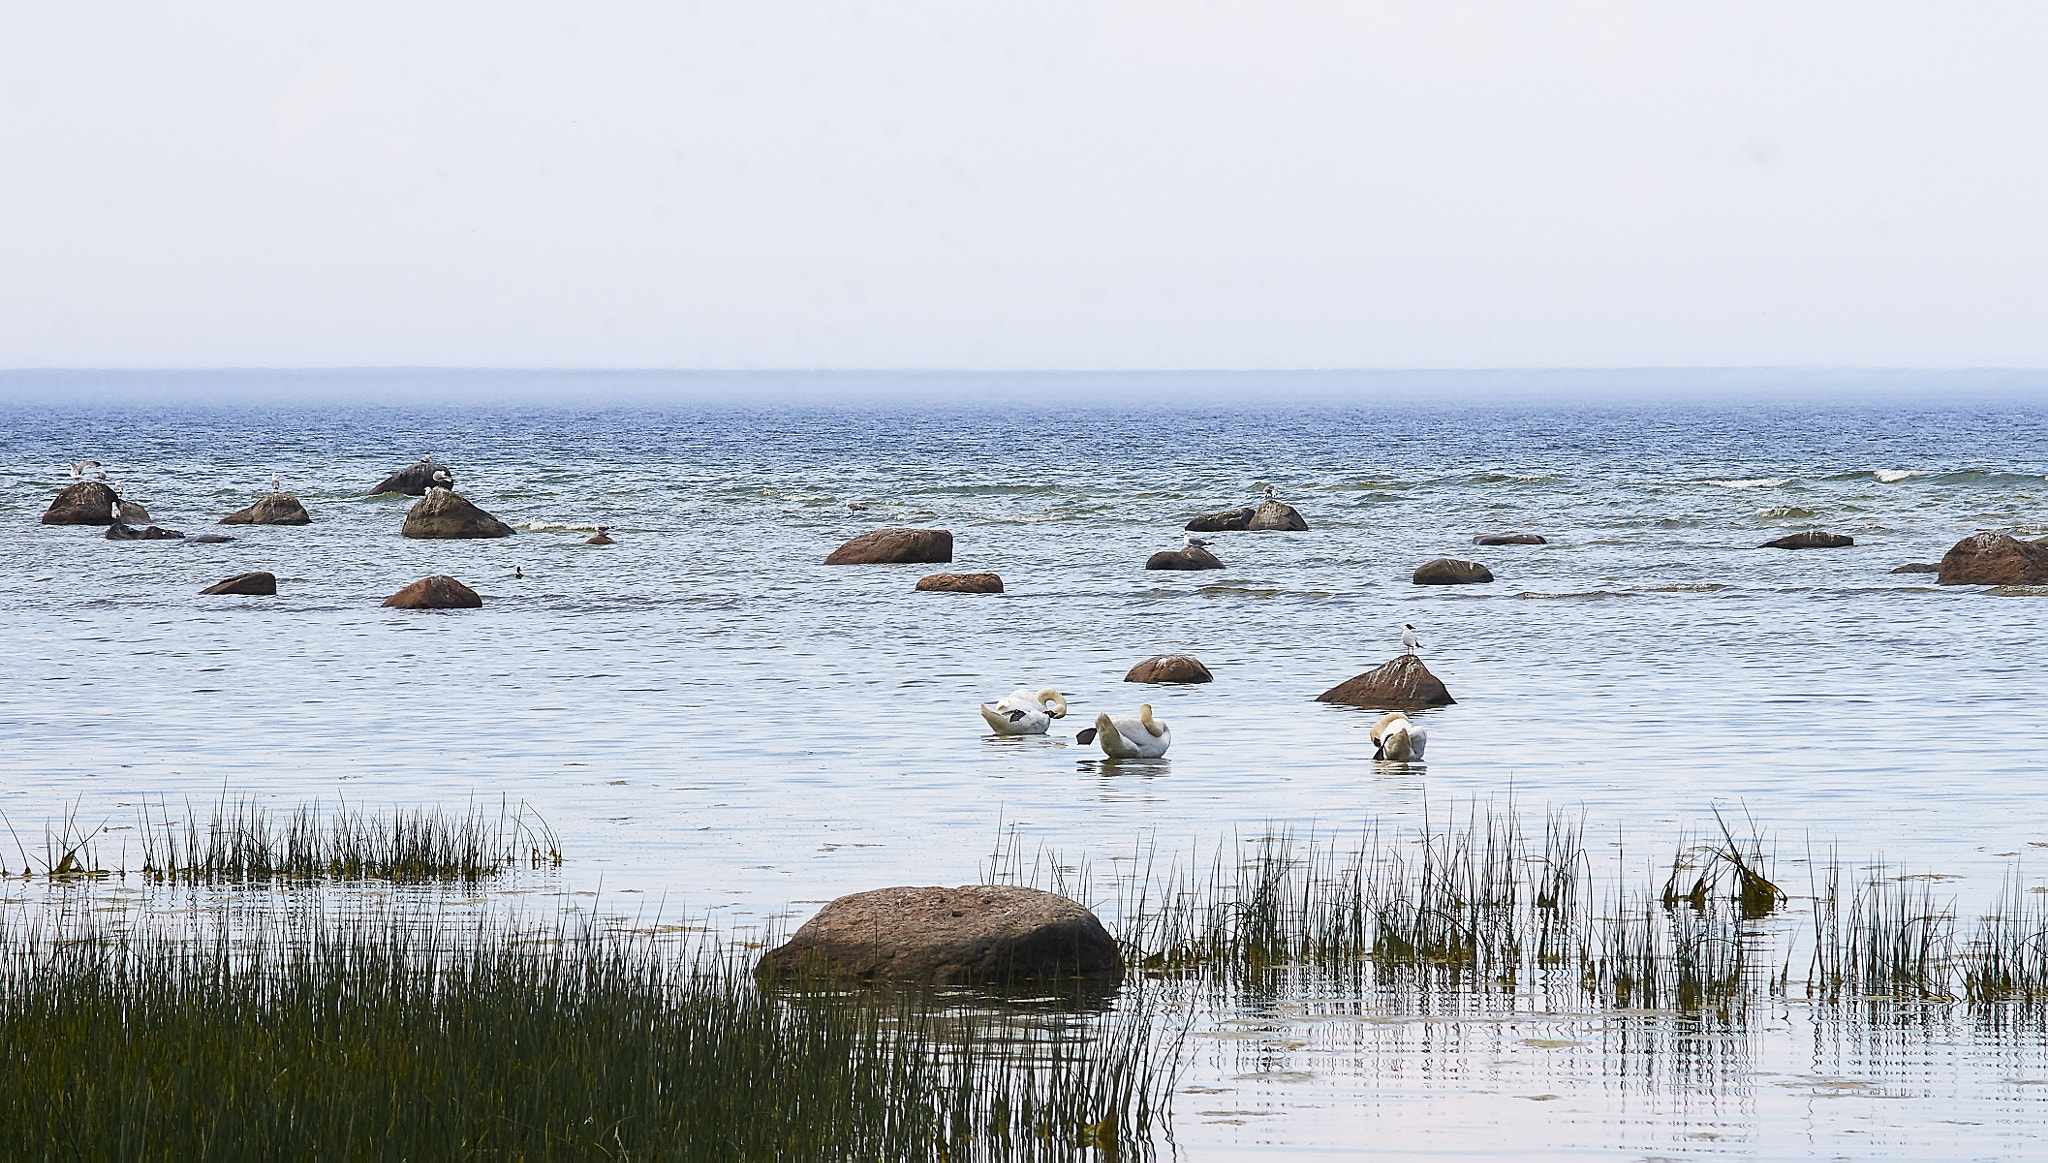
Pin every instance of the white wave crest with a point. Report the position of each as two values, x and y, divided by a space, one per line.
556 527
1892 476
1754 483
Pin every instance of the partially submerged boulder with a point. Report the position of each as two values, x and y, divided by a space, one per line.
600 538
1995 559
1918 567
132 513
273 509
257 584
1403 684
208 539
444 515
1170 668
1223 520
1274 515
415 479
85 503
1449 571
119 531
1193 557
961 583
1811 539
976 934
1510 539
895 546
439 592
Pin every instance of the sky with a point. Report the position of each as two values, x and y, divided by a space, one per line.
1043 185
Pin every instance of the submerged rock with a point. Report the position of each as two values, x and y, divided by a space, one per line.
415 479
1403 684
1811 539
1223 521
974 934
85 503
1510 539
274 509
962 583
895 546
1918 567
257 584
1995 559
1193 557
601 538
1450 571
1170 668
444 515
1274 515
208 539
439 592
123 532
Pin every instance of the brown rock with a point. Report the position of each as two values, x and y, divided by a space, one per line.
1510 539
1274 515
1223 520
1811 539
975 934
415 479
1449 571
962 583
123 532
1403 684
1918 567
1995 559
439 592
894 546
257 584
443 515
600 539
1194 558
85 503
274 509
1170 668
208 539
132 513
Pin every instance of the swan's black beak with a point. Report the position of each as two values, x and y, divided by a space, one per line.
1085 735
1379 750
1016 716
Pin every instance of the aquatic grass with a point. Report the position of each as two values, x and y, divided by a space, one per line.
1892 942
2007 959
242 841
294 1032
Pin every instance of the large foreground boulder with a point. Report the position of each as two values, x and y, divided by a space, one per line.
1403 684
258 584
439 592
1510 539
895 546
1274 515
85 503
1995 559
961 583
1170 668
1194 557
975 934
1449 571
1811 539
119 531
274 509
443 515
415 479
1223 520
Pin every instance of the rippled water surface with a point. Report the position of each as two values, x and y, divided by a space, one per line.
719 724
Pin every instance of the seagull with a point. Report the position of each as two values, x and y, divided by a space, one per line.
1272 494
117 510
516 573
1190 541
442 479
1409 639
275 486
83 467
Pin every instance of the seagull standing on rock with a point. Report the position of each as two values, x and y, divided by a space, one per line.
1190 541
1272 494
275 486
1409 639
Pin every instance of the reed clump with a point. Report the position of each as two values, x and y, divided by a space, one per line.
307 1035
242 841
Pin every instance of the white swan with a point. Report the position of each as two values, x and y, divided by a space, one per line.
1022 713
1126 738
1395 737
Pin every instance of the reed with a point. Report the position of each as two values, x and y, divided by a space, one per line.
302 1034
242 841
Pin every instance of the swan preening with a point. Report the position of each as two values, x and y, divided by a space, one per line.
1023 713
1126 738
1395 737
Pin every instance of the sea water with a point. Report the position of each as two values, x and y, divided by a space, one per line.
718 725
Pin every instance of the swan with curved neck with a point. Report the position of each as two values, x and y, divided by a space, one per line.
1022 713
1396 738
1124 737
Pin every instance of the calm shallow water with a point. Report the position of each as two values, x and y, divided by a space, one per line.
718 723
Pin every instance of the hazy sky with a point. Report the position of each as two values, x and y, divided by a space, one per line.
1040 184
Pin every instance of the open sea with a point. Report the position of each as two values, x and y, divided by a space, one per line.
719 726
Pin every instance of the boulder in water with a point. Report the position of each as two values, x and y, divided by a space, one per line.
439 592
600 539
1510 539
443 515
1223 521
132 513
1995 559
85 503
1274 515
1918 567
895 546
415 479
1193 557
257 584
977 934
123 532
208 539
1403 684
1811 539
961 583
1170 668
273 509
1449 571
